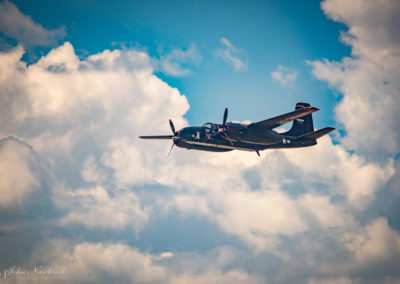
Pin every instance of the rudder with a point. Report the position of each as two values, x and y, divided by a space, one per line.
302 125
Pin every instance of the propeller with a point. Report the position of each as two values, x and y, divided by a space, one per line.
170 150
225 116
172 127
174 138
223 127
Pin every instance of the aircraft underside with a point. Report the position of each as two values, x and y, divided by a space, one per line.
223 145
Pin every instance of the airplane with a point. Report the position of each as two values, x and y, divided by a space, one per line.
255 137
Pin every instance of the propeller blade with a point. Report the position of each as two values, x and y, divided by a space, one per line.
170 150
157 137
225 116
228 138
172 126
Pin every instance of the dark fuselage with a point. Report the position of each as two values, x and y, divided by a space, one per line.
236 137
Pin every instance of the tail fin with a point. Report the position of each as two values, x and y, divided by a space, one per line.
302 125
317 134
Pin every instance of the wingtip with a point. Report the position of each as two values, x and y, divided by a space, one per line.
328 129
313 109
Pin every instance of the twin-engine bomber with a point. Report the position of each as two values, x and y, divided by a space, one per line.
256 136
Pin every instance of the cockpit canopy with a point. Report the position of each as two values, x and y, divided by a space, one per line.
211 129
209 125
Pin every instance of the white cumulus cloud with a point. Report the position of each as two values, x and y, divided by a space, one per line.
19 172
369 80
82 119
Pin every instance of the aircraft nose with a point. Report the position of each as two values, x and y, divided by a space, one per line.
179 134
185 134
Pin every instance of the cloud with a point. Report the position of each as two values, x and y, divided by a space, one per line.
375 243
106 194
368 80
230 54
104 262
47 93
18 26
90 116
19 172
63 106
102 208
252 224
292 197
178 62
343 169
83 118
285 76
340 280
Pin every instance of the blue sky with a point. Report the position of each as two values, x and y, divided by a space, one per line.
81 80
268 34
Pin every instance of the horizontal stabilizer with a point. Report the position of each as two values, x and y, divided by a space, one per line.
317 134
157 137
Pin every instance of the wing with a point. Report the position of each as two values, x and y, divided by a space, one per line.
283 119
157 137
